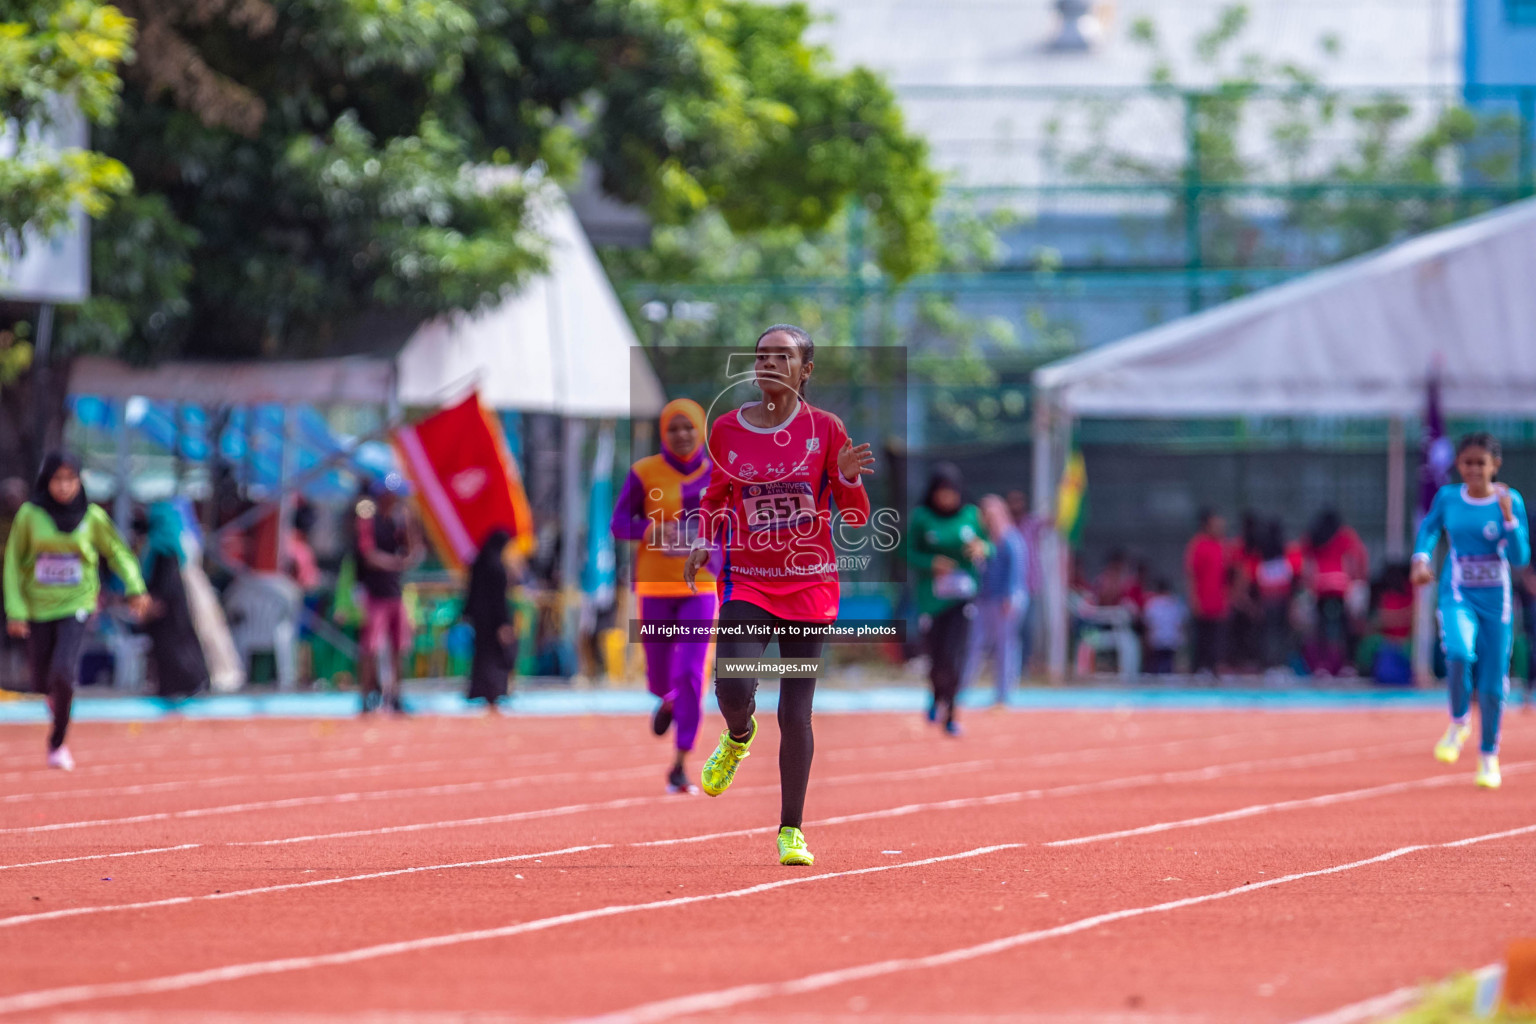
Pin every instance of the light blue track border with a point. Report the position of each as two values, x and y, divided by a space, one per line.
556 701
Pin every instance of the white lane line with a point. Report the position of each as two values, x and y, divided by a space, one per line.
704 1002
1080 788
1253 810
101 856
174 901
1212 771
1377 1007
1197 774
443 789
42 999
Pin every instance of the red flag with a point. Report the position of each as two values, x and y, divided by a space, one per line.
465 479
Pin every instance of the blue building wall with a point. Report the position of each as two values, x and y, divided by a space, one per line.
1500 46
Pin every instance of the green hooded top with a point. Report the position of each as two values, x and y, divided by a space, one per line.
933 534
51 574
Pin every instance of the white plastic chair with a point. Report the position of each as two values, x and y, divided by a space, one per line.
263 612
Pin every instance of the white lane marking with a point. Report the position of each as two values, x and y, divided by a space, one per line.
174 901
1197 774
42 999
350 772
704 1002
101 856
1377 1007
1074 789
1253 810
443 789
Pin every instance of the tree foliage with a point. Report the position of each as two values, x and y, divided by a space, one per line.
1351 172
304 164
58 61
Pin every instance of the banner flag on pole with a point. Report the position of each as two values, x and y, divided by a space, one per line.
465 480
1072 499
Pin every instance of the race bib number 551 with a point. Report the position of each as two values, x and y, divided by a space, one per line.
777 504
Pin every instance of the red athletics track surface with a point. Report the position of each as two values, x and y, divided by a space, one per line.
531 869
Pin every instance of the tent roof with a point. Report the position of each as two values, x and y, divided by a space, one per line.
561 343
1357 339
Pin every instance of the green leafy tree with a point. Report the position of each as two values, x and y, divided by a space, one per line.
308 164
1351 174
58 59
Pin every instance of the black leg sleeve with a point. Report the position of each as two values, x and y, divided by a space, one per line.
738 697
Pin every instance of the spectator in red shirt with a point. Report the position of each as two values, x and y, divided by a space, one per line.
1207 566
1336 564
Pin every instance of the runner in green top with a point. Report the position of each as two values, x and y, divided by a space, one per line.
947 545
52 584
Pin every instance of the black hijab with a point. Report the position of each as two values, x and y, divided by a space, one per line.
943 475
486 599
65 517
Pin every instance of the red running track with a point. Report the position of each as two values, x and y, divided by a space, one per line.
1079 867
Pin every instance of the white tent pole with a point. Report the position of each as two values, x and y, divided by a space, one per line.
573 507
1053 564
1397 485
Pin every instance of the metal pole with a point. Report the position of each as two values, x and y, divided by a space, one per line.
572 505
122 505
1194 258
287 461
1397 487
42 352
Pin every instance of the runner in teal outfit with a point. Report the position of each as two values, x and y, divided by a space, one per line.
1485 525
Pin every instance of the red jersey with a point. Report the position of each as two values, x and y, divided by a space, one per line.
769 508
1206 562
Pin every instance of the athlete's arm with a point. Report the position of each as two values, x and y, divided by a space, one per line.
16 611
629 521
1429 536
1518 530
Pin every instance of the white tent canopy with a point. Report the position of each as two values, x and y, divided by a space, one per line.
560 344
1358 339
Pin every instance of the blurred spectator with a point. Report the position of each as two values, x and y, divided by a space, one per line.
1117 583
1030 527
1207 565
485 607
1247 619
1165 616
1385 652
388 543
1336 567
1001 601
1274 581
302 566
180 668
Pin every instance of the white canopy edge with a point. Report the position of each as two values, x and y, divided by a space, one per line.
349 381
1357 339
562 343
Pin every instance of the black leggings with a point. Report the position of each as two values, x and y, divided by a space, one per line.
738 702
948 642
53 654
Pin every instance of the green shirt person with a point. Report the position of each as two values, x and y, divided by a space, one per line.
52 582
947 546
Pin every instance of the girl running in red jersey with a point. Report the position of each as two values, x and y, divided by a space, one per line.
779 464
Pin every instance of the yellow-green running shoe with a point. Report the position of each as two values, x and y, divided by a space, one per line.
1449 747
1487 775
792 849
720 769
